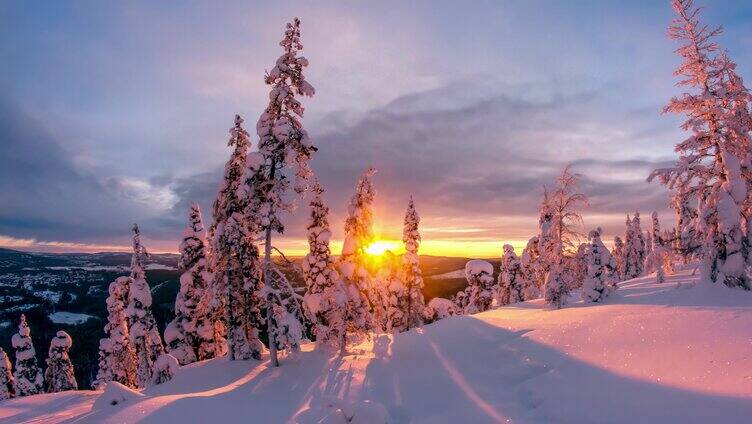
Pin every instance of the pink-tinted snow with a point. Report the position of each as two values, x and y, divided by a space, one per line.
673 352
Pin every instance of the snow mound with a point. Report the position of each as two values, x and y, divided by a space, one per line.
338 411
116 394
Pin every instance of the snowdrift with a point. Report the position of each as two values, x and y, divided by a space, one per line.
673 352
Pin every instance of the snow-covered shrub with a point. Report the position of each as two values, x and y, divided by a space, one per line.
480 286
115 394
165 368
601 271
59 375
7 388
28 377
441 308
511 287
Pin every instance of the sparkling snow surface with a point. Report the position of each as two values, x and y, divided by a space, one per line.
677 352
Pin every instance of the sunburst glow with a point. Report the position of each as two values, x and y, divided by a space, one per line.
379 247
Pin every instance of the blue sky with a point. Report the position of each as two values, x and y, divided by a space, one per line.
114 112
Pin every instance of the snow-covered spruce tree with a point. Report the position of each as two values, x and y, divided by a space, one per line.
190 335
648 244
145 337
634 249
658 257
532 270
714 162
389 294
480 286
558 279
352 261
579 266
28 377
618 254
7 388
284 146
511 287
324 299
117 357
59 375
601 272
235 291
686 241
411 274
164 368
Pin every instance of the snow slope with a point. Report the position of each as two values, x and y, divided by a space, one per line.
677 352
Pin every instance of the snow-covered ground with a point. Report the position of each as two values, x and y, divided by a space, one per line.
677 352
68 318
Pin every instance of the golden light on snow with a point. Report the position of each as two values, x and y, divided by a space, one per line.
379 247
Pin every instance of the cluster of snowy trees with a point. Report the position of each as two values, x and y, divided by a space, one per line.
712 180
132 345
553 264
350 298
27 378
230 294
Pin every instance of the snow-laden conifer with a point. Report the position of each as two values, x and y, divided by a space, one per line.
7 388
190 336
480 289
235 291
117 357
353 261
618 254
27 375
659 257
634 248
714 161
533 270
412 277
686 242
601 272
558 279
325 300
145 337
59 375
511 287
284 148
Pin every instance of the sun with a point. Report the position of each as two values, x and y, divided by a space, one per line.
379 247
